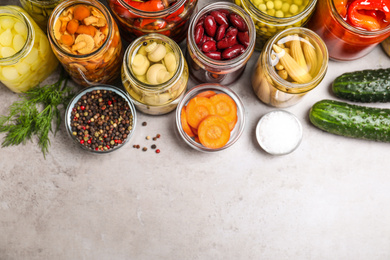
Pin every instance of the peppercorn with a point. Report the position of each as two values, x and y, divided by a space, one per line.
158 151
144 123
153 146
144 149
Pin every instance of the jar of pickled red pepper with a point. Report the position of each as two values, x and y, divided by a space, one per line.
291 64
40 10
168 17
351 29
220 41
86 40
271 17
25 55
155 74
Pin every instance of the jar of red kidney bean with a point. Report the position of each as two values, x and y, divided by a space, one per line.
220 41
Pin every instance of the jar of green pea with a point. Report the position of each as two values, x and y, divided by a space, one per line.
273 16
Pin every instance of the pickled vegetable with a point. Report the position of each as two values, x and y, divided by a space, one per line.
40 10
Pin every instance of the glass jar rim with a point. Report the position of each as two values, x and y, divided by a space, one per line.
222 64
149 87
45 2
296 87
58 11
154 14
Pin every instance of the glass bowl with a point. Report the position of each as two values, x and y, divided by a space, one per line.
90 125
235 133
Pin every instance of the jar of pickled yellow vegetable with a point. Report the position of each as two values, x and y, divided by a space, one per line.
40 10
291 64
273 16
155 74
25 55
86 40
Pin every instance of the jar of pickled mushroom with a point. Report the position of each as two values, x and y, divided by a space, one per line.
25 55
351 28
40 10
155 74
220 41
273 16
291 64
86 40
168 17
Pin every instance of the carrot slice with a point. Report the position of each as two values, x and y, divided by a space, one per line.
197 109
214 132
184 124
226 108
207 93
194 130
232 124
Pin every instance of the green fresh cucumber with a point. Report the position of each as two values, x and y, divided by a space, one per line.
349 120
363 86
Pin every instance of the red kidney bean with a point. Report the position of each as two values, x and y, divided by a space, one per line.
206 39
199 32
237 22
231 31
209 46
219 17
210 25
227 42
224 11
220 32
243 38
233 51
216 55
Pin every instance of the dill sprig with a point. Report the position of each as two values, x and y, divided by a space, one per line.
35 113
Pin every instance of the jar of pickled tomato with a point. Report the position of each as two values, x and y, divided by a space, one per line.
155 74
40 10
291 64
25 55
168 17
220 41
86 40
272 17
351 28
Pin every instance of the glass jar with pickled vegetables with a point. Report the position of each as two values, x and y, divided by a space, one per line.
220 41
40 10
25 55
86 40
351 28
168 17
155 74
291 64
273 16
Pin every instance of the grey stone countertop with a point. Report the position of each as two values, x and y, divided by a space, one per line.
329 199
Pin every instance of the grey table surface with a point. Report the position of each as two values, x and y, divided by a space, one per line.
329 199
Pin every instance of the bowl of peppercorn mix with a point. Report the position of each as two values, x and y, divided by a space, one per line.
101 119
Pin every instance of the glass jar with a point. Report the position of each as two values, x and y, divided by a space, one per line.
271 17
345 42
25 55
171 21
386 46
98 60
291 64
204 69
40 10
149 94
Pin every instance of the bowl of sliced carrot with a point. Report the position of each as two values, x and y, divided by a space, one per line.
210 117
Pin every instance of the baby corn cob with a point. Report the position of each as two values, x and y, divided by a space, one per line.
296 51
310 55
294 70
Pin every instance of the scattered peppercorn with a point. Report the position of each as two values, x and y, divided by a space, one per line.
144 123
153 146
158 151
144 149
154 138
148 137
158 135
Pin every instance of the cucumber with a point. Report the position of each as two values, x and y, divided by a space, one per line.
363 86
349 120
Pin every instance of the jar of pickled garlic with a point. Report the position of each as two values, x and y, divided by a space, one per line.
351 29
25 55
40 10
271 17
155 74
220 41
168 17
291 64
86 40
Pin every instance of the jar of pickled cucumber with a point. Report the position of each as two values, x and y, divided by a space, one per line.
155 74
86 40
40 10
25 55
291 64
273 16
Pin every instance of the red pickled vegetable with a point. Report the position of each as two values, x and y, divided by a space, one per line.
370 15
